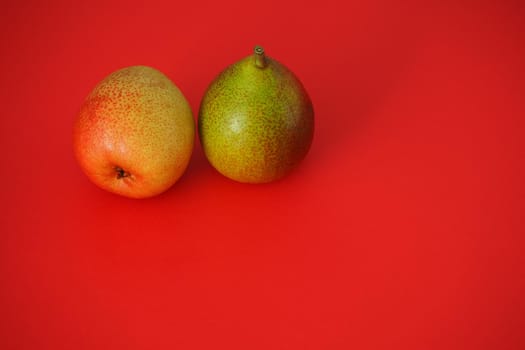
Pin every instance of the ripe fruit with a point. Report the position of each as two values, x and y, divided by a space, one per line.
134 134
256 120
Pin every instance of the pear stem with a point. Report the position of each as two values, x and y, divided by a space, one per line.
260 59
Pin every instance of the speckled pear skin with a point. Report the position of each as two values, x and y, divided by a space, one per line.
256 124
135 132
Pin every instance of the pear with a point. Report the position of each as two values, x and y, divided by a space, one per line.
256 120
134 134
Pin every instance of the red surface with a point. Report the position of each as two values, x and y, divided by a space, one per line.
402 229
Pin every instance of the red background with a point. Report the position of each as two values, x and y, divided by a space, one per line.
402 229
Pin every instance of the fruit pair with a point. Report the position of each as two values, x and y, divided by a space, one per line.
135 132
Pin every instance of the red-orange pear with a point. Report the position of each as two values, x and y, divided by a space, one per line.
134 134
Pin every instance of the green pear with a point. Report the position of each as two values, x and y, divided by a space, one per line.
256 120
